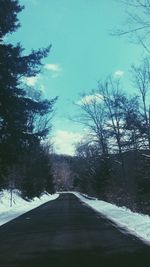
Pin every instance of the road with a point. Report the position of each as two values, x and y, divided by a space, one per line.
67 233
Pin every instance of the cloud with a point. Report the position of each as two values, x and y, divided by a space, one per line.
88 99
53 67
119 73
31 81
55 75
64 141
42 88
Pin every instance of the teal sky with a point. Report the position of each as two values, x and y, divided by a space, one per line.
83 51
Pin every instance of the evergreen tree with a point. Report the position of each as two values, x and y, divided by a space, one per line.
17 133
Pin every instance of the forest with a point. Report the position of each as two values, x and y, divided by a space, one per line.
25 117
112 162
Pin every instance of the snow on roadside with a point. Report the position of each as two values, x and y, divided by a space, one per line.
135 223
19 205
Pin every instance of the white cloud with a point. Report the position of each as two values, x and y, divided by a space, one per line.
119 73
42 88
55 75
31 81
64 141
53 67
90 98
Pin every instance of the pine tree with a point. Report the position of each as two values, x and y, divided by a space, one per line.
17 134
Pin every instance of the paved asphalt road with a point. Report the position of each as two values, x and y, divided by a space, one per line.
66 233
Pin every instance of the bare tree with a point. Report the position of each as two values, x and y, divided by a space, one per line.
103 112
137 25
141 78
62 173
93 116
39 123
133 121
114 100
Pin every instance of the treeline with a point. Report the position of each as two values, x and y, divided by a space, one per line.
63 172
25 117
114 159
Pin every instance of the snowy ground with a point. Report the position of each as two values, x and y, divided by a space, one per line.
19 205
135 223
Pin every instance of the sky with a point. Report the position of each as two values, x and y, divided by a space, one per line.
83 52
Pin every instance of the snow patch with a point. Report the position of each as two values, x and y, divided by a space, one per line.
19 205
133 222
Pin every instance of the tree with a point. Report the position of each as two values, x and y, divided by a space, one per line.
24 120
35 170
62 172
137 25
93 116
93 174
84 173
114 99
104 112
8 16
141 79
133 124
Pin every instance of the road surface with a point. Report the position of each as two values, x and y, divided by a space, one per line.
67 233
